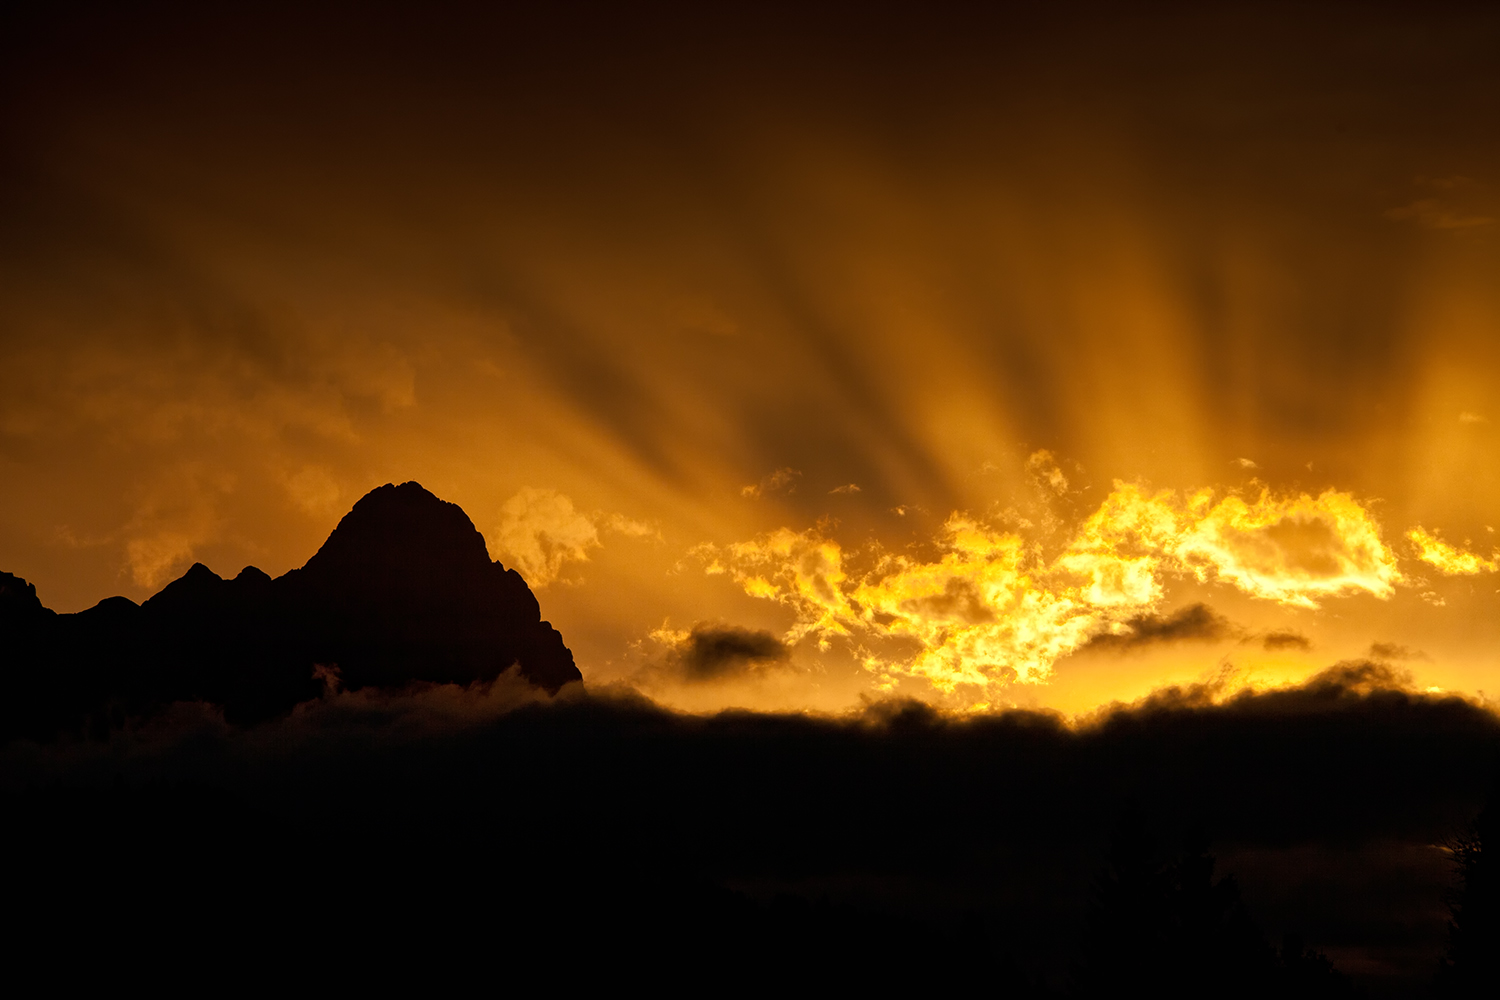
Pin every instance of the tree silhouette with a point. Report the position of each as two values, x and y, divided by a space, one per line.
1304 973
1472 968
1165 927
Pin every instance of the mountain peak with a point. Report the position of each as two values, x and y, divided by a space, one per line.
400 530
195 588
403 592
18 598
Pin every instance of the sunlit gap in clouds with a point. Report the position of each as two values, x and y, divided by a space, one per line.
833 287
992 605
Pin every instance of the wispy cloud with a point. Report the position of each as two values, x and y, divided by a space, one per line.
1447 559
781 480
1430 213
539 532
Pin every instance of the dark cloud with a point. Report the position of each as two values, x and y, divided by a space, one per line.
1271 641
713 652
603 818
1361 677
960 601
1395 651
1194 622
1345 678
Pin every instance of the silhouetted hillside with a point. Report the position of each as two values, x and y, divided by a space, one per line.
444 831
403 591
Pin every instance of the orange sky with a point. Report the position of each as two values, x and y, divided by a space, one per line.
937 345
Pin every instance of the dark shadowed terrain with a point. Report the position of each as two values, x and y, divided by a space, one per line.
374 764
403 591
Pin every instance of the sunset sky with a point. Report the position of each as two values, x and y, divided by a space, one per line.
1023 355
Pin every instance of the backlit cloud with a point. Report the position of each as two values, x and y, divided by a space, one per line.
1294 550
1044 469
775 482
540 531
990 607
1448 559
173 520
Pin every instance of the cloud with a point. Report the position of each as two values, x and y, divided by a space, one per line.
214 383
716 652
1469 417
1448 559
629 527
173 518
1394 651
540 531
314 490
775 482
1431 213
155 556
846 488
1194 622
1356 677
976 613
1245 463
1294 550
1045 472
989 608
1274 641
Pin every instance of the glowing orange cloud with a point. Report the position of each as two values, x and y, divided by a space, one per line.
990 608
1448 559
1293 550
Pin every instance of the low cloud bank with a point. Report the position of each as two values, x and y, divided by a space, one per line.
612 802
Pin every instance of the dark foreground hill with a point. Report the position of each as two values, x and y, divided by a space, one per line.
402 592
433 837
427 823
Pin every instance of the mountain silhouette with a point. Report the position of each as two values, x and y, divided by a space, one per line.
402 592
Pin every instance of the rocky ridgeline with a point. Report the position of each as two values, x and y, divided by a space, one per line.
402 592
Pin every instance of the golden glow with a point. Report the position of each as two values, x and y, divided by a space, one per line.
818 317
1295 550
991 608
1448 559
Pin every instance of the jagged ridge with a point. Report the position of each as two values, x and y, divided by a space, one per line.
402 591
